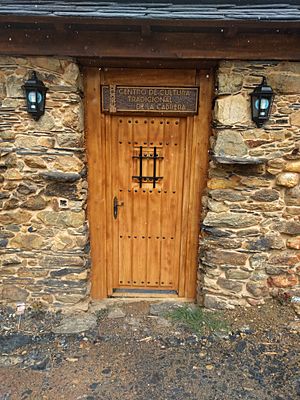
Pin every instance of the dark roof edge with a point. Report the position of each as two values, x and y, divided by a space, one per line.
131 21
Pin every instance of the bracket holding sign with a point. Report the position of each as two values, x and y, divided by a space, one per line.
150 100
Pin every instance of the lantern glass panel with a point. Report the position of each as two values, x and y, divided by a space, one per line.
35 97
262 104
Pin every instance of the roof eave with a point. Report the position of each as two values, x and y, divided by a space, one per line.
168 22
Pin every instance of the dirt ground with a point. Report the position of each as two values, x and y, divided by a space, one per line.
132 351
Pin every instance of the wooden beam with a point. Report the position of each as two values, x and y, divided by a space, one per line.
162 45
184 22
146 63
146 30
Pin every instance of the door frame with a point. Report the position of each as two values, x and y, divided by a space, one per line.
195 176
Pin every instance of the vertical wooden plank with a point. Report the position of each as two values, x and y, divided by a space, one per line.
185 206
154 238
156 131
96 182
125 171
139 255
113 184
140 211
168 219
174 141
199 160
125 241
179 187
156 137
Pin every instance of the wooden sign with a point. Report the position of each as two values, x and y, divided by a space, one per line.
149 99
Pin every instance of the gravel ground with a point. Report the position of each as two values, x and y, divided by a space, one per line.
131 351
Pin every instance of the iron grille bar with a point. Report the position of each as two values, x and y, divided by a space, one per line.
141 167
154 168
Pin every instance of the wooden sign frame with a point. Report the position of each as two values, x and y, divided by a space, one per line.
163 100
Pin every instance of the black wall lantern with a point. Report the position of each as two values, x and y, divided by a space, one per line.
35 96
261 103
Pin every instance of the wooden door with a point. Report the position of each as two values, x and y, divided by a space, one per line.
146 175
147 178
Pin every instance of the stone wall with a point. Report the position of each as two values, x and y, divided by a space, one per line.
43 232
251 230
250 237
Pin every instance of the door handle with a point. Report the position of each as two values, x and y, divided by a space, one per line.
116 206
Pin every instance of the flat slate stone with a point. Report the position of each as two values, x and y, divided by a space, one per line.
116 313
60 176
10 343
162 309
76 324
239 160
163 322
